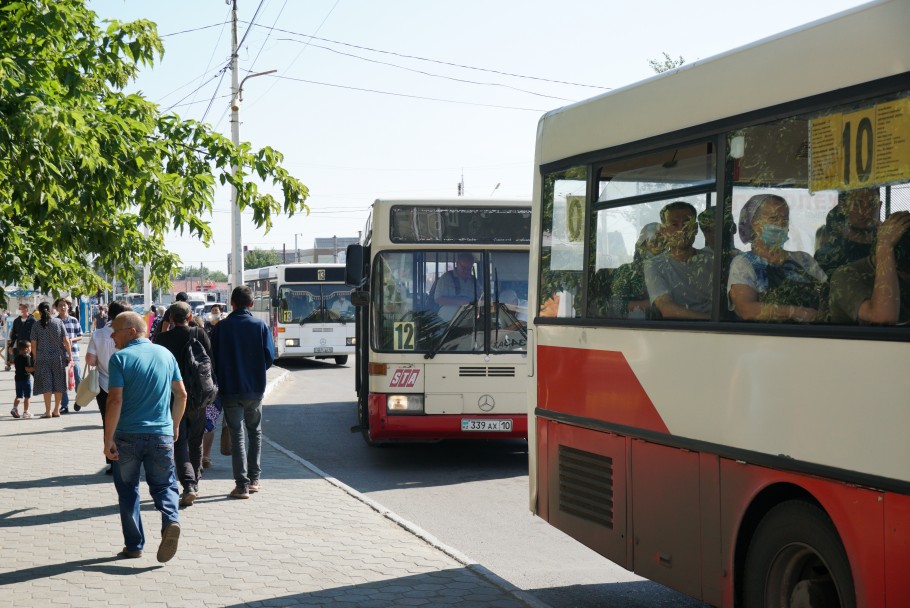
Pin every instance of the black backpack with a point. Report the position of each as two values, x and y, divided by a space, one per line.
198 375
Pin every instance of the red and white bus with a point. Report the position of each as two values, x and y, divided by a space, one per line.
741 460
442 288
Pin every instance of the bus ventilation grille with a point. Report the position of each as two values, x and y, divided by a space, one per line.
483 372
586 486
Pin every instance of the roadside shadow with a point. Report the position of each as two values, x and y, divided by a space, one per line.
49 570
452 587
637 594
60 481
7 520
66 429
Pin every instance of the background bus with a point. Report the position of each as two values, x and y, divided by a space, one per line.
745 463
441 319
307 306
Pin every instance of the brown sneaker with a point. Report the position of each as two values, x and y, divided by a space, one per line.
240 492
255 486
169 538
129 554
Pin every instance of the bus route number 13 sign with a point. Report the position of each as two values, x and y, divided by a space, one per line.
859 149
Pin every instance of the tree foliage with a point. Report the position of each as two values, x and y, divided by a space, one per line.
196 272
258 258
666 64
87 169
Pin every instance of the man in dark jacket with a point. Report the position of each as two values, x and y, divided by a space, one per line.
243 352
188 447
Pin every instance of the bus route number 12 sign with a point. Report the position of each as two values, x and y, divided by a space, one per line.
859 149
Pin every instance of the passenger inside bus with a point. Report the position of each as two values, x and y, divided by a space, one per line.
769 283
457 287
876 289
849 229
628 294
679 280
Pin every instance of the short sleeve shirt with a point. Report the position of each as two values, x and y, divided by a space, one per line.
688 283
851 285
144 371
751 270
102 346
73 330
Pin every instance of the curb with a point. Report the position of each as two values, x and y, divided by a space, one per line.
485 573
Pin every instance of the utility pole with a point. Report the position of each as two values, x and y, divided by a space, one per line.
236 98
236 235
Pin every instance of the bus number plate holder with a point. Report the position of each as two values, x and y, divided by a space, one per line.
475 424
322 349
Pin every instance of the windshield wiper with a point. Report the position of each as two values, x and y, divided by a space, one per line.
459 314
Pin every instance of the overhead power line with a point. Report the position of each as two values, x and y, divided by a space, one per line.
466 103
400 67
448 63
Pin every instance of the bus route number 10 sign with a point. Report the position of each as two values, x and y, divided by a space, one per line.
859 149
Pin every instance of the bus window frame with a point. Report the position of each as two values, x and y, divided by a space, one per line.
717 132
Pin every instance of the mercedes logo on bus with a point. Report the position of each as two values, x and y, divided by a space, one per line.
486 403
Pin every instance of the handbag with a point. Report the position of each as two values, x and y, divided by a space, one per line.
88 387
225 441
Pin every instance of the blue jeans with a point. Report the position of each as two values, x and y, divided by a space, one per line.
154 453
246 460
66 395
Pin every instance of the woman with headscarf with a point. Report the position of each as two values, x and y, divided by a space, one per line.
769 283
51 351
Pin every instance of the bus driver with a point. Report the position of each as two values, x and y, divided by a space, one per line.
456 287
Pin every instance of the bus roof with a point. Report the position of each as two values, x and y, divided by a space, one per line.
454 201
859 45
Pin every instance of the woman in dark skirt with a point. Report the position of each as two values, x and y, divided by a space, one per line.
51 350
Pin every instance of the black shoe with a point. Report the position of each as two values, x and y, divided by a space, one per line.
64 409
77 407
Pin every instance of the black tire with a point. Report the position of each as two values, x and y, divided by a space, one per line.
797 553
341 359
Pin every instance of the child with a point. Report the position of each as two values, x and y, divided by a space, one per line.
24 369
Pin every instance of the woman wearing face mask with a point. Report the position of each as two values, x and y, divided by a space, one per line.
770 283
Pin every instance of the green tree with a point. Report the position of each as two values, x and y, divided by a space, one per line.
666 64
189 272
86 168
257 258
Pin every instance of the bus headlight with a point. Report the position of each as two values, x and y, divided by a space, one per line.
292 342
350 341
404 404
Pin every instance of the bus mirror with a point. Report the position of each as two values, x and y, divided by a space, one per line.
360 297
354 273
275 302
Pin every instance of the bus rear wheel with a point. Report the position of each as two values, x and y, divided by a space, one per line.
341 359
796 560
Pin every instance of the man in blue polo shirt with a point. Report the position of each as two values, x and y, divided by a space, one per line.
140 429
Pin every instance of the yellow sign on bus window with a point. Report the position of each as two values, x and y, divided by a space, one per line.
286 316
404 334
860 149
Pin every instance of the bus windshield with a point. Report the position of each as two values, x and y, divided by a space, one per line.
451 301
315 303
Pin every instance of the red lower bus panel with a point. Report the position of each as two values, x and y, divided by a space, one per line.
857 513
431 428
897 549
686 511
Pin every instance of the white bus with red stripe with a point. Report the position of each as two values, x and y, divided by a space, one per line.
745 463
441 295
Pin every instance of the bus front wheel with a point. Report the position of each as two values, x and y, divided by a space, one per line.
796 559
341 359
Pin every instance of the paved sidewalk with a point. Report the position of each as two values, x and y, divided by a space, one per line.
302 541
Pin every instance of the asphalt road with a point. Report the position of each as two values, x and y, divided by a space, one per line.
473 496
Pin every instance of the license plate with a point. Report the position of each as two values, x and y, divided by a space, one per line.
322 349
474 424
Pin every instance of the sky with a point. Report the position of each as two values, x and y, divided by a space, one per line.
405 98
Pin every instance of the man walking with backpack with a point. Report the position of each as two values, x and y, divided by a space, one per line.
243 352
193 352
